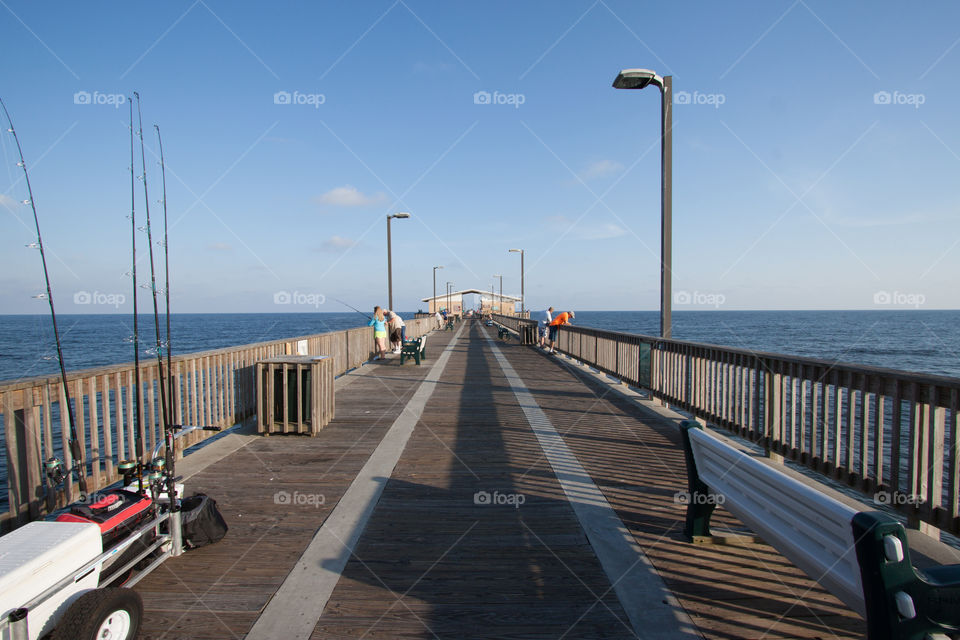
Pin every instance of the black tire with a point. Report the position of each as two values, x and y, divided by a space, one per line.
85 616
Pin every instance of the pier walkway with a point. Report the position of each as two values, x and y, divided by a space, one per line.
493 491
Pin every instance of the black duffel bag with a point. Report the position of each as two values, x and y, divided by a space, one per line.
200 521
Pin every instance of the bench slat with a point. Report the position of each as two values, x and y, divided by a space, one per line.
811 529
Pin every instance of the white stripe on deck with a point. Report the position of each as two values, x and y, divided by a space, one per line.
296 607
652 608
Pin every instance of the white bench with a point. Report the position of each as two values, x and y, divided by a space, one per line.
861 557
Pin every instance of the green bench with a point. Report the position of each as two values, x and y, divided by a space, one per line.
449 326
416 349
503 333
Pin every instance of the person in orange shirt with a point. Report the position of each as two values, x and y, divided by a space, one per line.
556 323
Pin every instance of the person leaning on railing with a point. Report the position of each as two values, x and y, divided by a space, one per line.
556 323
546 317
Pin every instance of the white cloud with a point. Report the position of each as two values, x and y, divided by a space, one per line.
7 201
584 230
600 168
220 246
349 196
337 243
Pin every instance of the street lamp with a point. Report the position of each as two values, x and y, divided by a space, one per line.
435 287
638 79
449 311
390 260
520 251
501 290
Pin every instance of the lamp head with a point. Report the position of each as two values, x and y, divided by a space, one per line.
400 215
515 250
636 79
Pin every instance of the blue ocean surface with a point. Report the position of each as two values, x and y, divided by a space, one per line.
910 340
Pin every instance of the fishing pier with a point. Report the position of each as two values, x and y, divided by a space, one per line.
499 491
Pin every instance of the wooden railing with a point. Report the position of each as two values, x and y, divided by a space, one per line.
214 388
892 435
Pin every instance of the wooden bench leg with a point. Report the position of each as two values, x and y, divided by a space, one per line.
699 506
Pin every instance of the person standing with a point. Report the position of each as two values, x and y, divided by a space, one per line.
396 328
556 323
546 317
379 324
439 319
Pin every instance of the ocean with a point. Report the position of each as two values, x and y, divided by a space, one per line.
911 340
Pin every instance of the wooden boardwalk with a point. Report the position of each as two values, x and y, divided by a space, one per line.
473 535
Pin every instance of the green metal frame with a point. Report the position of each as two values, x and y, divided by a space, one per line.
413 349
699 509
934 592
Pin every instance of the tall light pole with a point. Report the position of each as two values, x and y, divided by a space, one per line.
520 251
638 79
449 310
501 290
390 259
435 288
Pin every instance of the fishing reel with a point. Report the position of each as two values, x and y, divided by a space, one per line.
55 471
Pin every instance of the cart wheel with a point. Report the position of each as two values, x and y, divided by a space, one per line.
102 614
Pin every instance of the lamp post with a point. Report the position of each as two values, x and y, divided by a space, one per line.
449 311
638 79
496 275
390 259
434 288
520 251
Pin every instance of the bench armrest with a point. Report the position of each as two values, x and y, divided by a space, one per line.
901 600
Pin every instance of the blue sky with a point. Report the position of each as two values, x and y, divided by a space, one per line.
816 149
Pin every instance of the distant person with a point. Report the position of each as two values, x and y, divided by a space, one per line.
379 324
556 323
397 330
439 319
546 317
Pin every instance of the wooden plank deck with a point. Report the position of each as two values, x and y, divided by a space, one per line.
434 561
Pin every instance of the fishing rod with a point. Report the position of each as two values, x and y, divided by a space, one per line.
153 278
138 439
354 308
75 451
169 430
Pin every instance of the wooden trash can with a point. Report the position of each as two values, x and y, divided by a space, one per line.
294 394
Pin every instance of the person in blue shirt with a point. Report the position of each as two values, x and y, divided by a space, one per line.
379 325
